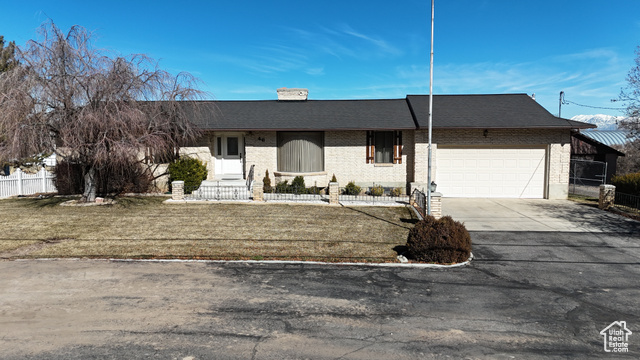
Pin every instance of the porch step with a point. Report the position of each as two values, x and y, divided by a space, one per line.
222 190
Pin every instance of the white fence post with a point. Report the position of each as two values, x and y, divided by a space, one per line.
19 172
44 179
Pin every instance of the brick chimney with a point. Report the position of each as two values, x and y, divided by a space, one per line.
285 94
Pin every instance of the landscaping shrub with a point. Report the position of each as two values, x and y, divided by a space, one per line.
377 190
333 178
68 178
297 186
352 189
283 187
266 182
396 191
628 183
298 183
190 170
123 178
442 241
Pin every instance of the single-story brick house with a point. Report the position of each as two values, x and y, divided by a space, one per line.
483 145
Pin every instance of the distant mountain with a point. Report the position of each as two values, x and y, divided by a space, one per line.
604 122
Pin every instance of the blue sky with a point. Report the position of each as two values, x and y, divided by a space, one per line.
367 49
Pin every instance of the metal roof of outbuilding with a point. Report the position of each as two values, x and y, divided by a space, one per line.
608 137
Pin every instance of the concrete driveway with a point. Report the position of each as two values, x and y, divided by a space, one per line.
534 215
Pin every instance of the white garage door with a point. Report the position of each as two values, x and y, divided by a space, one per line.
490 172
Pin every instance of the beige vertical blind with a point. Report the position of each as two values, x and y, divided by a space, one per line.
301 151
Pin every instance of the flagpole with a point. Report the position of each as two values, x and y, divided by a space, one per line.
430 115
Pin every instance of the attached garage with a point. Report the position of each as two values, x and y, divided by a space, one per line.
498 172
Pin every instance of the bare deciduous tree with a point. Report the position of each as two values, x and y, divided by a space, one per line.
97 109
630 163
630 96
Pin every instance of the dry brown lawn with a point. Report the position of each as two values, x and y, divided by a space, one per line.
148 228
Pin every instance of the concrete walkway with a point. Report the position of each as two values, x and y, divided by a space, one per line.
534 215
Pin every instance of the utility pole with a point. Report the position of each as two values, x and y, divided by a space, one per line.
560 104
430 116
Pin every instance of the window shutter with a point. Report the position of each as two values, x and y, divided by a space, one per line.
397 147
370 147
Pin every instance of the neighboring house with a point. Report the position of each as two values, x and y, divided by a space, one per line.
584 148
483 145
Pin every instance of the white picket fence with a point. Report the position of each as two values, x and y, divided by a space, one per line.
20 183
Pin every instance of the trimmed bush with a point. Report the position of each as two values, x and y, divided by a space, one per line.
283 187
190 170
297 186
266 182
333 178
298 183
377 190
443 241
352 189
628 183
396 191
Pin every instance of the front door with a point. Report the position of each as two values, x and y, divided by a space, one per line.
229 154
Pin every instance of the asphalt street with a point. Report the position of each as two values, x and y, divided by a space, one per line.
526 294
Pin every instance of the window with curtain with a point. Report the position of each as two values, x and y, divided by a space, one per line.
384 147
301 151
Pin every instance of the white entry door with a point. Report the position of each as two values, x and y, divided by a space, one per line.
229 156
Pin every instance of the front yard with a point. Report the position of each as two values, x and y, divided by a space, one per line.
148 228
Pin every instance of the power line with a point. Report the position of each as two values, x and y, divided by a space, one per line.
564 101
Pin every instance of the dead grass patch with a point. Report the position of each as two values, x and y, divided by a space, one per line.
145 227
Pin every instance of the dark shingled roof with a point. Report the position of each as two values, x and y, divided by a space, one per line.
509 111
505 111
305 115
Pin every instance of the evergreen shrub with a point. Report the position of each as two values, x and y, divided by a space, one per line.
190 170
396 191
628 183
352 189
377 190
266 182
443 241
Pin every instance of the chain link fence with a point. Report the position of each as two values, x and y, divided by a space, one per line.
586 176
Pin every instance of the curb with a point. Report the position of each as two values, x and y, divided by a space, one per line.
281 262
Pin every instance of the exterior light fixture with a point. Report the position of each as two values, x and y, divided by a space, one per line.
433 186
485 132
